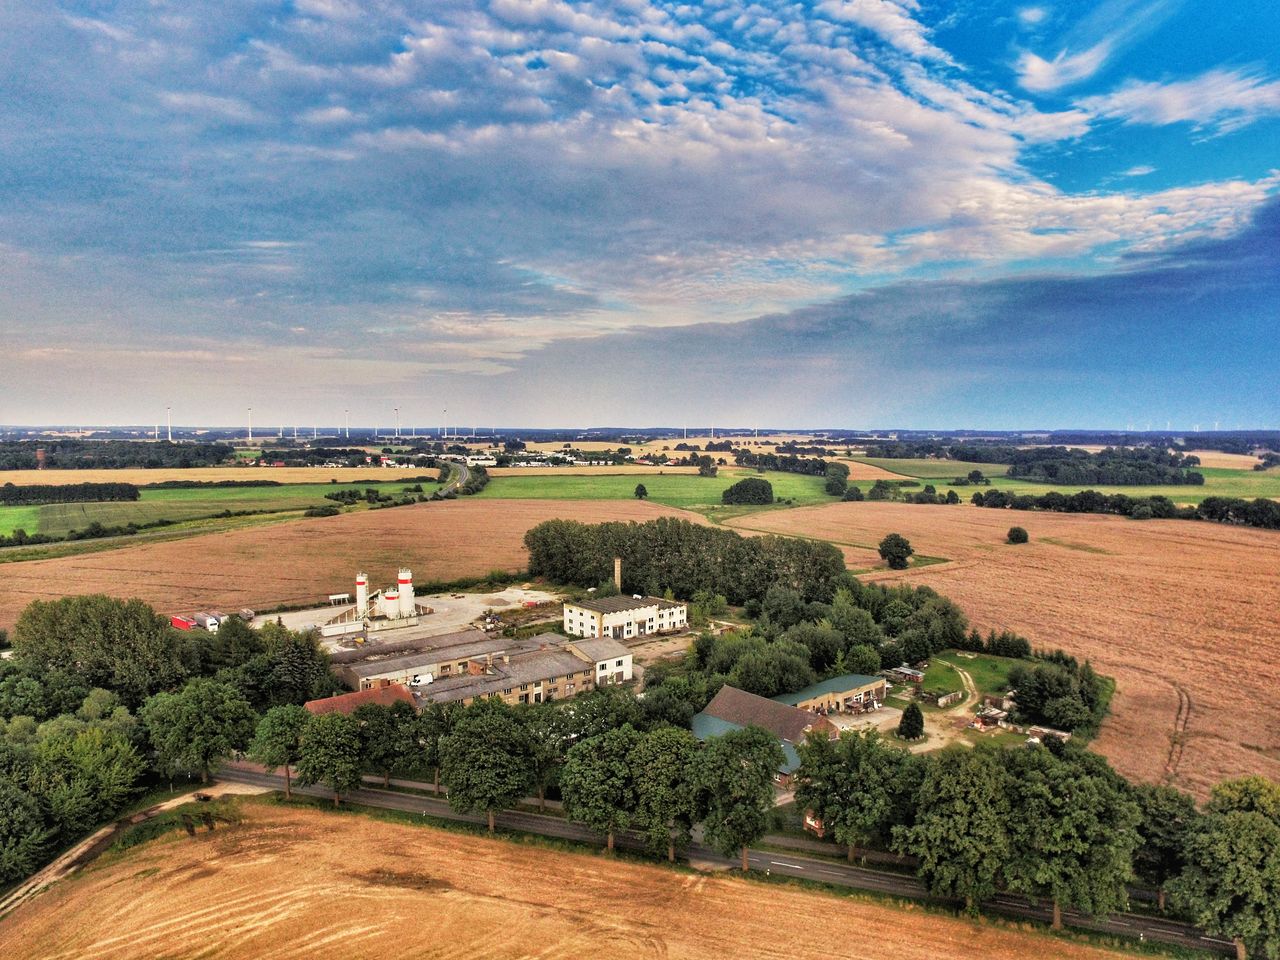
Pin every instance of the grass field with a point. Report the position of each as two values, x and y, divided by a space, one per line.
990 674
301 882
1182 614
1219 481
689 492
56 519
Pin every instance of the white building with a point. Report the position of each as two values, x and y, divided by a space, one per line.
612 660
624 617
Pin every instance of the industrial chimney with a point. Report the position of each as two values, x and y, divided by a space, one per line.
362 594
617 573
407 606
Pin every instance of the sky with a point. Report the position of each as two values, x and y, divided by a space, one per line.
848 213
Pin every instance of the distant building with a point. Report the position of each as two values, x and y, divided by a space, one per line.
622 617
734 709
850 693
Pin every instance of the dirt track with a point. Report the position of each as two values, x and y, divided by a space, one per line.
295 883
1185 616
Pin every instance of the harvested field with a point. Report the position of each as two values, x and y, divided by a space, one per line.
1184 615
215 474
303 561
861 470
1228 461
292 882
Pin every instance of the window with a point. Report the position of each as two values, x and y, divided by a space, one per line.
524 686
507 691
618 664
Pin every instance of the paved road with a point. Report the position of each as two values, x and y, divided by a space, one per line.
784 864
457 479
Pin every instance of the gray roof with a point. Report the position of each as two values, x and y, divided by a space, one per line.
847 683
705 726
597 649
542 665
747 710
425 658
617 604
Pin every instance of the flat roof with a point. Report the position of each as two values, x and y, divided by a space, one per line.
462 651
846 683
600 648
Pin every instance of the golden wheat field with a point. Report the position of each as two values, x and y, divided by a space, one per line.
295 883
1184 615
303 561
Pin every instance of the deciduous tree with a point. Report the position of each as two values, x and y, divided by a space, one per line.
278 740
194 729
735 777
598 781
487 761
331 754
663 764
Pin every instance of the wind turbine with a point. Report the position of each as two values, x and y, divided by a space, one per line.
168 424
251 424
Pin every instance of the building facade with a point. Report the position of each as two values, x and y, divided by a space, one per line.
622 617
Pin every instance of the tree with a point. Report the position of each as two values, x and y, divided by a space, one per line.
752 490
278 740
1075 833
735 779
598 783
81 776
388 737
641 491
896 551
663 764
487 761
192 730
851 784
1168 815
546 726
121 645
911 725
1018 535
331 753
1231 883
961 832
22 832
706 467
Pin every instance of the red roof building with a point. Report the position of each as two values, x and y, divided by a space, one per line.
384 695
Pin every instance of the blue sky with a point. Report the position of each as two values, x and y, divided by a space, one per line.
848 212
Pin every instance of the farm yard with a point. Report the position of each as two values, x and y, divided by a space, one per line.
1182 614
289 882
295 563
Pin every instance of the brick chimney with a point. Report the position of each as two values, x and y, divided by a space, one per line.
617 573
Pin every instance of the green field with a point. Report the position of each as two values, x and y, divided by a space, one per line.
990 674
675 490
1218 481
933 469
179 505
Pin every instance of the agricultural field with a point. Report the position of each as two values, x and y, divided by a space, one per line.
630 469
57 519
689 492
1182 614
302 882
301 562
1218 481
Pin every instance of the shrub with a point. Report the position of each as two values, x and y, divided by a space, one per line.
754 490
1018 535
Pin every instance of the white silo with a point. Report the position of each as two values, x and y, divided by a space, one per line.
362 594
405 583
390 606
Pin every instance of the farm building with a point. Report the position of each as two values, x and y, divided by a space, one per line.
437 658
850 693
612 660
734 709
623 617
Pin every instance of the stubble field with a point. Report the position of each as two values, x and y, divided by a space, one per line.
1185 616
303 561
301 883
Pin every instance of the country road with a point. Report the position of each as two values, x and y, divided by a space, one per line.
789 864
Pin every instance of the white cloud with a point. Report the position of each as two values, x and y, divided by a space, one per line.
1139 171
328 116
1039 75
1030 16
225 108
1223 99
891 20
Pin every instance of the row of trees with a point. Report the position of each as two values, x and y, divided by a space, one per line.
1058 823
65 454
1261 512
35 493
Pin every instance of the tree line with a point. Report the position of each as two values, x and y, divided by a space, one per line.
39 493
1261 512
110 454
